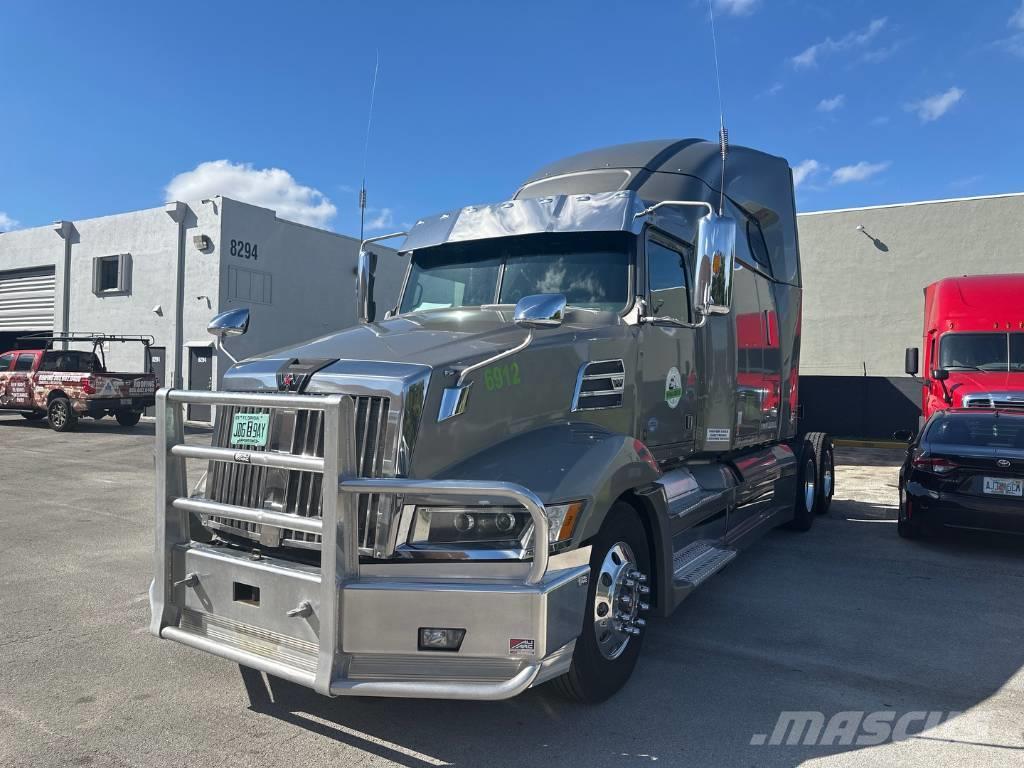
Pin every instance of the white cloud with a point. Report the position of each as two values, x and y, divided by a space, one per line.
862 171
7 223
1016 21
809 56
383 218
804 170
267 187
736 7
936 106
831 105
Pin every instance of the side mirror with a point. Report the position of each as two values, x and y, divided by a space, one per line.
234 322
716 259
542 310
903 435
940 374
365 306
910 360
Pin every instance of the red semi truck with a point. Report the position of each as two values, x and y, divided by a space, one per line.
973 344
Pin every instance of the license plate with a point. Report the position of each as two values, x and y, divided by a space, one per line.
999 487
250 429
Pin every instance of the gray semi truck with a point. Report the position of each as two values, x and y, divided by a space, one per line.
583 405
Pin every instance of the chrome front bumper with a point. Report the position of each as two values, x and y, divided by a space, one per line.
343 628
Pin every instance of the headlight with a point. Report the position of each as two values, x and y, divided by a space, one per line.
489 527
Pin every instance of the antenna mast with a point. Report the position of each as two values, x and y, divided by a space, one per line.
366 149
723 133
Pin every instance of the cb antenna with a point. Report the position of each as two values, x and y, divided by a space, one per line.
366 148
723 132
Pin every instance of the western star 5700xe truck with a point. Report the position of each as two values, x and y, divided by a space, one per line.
973 344
582 406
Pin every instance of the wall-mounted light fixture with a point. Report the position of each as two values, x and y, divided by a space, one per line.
202 242
877 243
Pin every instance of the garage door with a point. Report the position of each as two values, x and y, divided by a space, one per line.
27 300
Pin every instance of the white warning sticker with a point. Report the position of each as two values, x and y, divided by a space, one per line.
718 435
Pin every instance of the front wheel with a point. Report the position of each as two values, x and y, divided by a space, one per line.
127 418
61 415
613 628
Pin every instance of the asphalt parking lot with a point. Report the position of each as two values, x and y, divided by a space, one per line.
846 618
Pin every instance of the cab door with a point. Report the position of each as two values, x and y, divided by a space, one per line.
20 382
668 377
6 362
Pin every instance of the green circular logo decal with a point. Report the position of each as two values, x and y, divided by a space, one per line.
673 387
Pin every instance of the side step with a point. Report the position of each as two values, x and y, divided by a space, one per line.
696 562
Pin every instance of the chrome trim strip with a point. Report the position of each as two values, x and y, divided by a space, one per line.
444 690
263 664
250 458
258 516
582 376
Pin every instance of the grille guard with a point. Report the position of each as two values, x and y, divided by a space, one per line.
338 526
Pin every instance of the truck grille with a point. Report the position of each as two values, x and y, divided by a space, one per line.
1013 401
299 433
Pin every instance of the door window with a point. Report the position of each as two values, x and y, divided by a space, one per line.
25 360
5 362
666 282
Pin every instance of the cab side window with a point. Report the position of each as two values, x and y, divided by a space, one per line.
666 282
5 362
25 360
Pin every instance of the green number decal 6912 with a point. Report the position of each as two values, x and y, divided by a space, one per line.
501 376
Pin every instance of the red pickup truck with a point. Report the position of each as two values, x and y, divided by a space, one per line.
63 385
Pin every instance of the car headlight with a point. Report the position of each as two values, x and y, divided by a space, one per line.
489 527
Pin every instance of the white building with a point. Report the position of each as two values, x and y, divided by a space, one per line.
164 272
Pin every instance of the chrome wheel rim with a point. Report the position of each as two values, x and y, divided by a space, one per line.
826 481
618 601
58 415
809 485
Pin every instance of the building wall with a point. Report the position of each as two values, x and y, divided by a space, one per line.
864 299
310 273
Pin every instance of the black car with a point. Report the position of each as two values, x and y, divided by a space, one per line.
965 469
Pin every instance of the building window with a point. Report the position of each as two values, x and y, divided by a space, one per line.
249 285
111 274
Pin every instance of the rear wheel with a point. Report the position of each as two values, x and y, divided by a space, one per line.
33 415
825 452
806 502
607 649
127 418
61 415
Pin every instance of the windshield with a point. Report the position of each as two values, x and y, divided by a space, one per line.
987 430
982 352
591 269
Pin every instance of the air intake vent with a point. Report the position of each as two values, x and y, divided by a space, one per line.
599 385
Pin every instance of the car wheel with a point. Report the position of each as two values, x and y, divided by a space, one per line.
805 502
61 415
33 415
127 418
613 630
825 452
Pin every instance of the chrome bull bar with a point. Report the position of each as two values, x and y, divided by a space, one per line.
339 558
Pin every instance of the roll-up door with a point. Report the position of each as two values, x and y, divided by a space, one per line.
27 299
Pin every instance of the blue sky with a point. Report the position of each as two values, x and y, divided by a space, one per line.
108 107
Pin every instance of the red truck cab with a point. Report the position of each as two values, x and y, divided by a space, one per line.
973 343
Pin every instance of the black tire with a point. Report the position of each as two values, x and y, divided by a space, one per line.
127 418
61 415
825 452
805 501
33 415
593 677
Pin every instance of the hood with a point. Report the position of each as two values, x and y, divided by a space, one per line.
961 383
432 339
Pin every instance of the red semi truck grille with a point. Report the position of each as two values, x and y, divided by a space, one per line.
299 433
